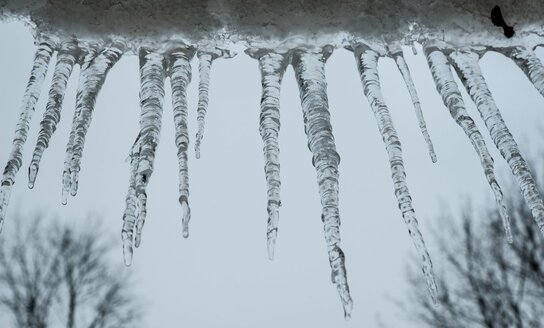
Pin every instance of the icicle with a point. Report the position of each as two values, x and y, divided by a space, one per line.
529 63
66 59
152 76
396 53
310 74
468 69
367 61
91 81
180 77
32 93
129 217
272 66
88 55
205 60
204 66
447 87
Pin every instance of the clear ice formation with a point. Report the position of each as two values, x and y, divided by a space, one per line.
367 63
32 93
309 66
94 35
152 77
204 67
272 66
93 75
466 64
206 57
529 63
179 70
448 89
67 57
395 51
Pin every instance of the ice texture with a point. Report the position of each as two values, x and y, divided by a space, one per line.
529 63
448 89
367 63
204 67
32 93
272 66
67 57
92 78
152 76
180 76
396 53
95 34
466 64
309 66
131 201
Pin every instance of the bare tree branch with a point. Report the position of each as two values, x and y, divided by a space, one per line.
54 268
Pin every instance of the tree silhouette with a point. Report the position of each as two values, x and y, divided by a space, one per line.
484 281
53 275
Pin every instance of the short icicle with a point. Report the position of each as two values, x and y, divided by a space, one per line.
204 67
367 63
206 56
529 63
451 96
67 57
129 217
152 76
466 64
32 93
309 66
396 53
180 77
92 80
272 66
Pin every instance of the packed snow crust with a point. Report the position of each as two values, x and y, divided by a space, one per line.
282 22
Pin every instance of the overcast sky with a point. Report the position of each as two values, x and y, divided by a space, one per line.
220 276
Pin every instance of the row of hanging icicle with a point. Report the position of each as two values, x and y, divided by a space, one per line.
96 60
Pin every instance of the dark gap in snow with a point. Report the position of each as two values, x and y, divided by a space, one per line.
498 20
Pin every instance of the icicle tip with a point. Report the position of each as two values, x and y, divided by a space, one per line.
186 216
348 307
127 248
272 233
5 193
32 174
271 243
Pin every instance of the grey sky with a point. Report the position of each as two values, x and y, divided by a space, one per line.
220 276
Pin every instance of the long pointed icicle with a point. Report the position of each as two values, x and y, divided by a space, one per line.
468 69
89 53
32 93
66 59
88 89
367 61
272 66
309 69
529 63
152 76
396 53
205 60
180 77
448 89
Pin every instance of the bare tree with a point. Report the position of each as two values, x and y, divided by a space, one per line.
484 281
52 275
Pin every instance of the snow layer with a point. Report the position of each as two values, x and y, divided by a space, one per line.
454 21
